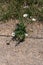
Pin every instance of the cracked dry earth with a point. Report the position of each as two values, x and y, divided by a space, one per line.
29 52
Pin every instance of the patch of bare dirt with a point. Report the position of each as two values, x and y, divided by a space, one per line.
29 52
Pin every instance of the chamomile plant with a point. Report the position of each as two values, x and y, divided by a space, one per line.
19 33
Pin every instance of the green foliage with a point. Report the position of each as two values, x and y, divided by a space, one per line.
40 15
14 8
20 31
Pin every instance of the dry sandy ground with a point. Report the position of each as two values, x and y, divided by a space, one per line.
30 52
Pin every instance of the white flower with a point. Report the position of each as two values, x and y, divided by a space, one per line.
33 19
26 35
13 34
25 15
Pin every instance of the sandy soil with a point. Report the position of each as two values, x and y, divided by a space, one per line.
30 52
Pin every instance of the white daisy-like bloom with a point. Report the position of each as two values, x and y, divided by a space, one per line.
13 34
25 15
33 19
26 34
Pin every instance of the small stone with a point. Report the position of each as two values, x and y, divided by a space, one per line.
31 30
